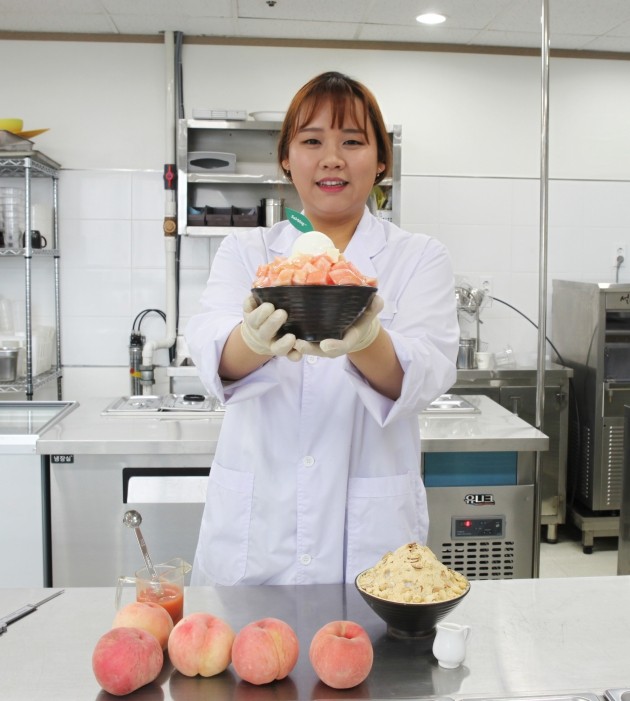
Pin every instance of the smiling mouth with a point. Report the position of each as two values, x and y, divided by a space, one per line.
332 184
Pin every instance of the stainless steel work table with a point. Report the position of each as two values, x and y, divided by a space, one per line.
87 432
530 636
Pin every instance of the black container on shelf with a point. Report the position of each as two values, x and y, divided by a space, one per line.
224 216
196 216
218 216
246 216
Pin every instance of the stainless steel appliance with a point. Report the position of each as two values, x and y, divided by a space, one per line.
515 389
623 550
89 495
481 511
23 516
591 328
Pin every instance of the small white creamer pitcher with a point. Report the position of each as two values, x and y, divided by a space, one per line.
449 646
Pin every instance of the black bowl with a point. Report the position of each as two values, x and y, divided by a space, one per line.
317 312
410 620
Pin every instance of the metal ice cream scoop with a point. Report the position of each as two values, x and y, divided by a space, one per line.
132 519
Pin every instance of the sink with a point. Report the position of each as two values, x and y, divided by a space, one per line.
586 696
22 422
170 405
617 694
451 404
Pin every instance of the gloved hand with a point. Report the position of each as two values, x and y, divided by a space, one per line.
260 330
359 336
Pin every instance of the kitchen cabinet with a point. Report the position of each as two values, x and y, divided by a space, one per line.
22 531
225 169
24 166
23 513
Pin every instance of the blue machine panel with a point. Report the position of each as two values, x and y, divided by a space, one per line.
470 469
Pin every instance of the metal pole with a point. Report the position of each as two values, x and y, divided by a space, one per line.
542 270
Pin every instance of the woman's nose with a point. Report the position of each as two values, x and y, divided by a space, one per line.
332 158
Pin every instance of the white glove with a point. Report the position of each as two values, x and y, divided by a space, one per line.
260 330
359 336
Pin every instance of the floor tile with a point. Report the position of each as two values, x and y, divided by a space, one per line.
566 558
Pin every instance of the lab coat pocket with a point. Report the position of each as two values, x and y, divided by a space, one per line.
383 514
224 536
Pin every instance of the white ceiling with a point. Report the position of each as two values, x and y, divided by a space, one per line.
582 25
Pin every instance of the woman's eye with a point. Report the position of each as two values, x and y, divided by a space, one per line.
310 142
353 142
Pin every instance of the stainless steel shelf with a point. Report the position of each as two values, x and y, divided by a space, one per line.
21 384
236 179
15 162
28 165
237 125
215 231
255 146
36 252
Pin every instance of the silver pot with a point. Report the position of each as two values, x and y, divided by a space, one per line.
466 353
8 364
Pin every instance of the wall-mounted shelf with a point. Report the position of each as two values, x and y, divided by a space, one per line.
27 165
256 173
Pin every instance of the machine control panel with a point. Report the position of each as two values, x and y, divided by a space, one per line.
487 527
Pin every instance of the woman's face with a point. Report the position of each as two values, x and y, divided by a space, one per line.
333 169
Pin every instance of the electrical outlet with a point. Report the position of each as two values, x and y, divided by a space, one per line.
486 285
620 255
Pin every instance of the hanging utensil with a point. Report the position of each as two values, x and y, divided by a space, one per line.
24 611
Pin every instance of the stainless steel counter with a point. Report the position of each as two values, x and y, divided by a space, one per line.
494 428
534 636
553 371
87 432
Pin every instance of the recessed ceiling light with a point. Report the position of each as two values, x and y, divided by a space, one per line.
431 18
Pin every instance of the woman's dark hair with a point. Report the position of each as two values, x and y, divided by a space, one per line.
344 93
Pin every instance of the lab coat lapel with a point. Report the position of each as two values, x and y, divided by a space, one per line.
281 243
368 240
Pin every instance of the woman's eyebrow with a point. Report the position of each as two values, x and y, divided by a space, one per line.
347 130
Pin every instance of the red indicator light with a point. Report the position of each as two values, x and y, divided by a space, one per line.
467 524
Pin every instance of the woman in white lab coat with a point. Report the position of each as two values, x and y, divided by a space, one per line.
317 471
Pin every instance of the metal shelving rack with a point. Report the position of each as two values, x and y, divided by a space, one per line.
28 165
256 176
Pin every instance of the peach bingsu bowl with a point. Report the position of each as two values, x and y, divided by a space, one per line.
322 292
316 312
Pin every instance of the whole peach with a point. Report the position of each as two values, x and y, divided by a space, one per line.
265 650
341 654
146 615
201 644
125 659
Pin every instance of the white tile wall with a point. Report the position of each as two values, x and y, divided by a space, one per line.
491 227
112 263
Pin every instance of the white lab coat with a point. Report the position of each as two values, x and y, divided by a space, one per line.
316 475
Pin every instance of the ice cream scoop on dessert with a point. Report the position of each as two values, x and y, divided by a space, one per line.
314 243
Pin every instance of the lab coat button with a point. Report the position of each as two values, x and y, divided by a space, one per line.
305 559
308 461
312 359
